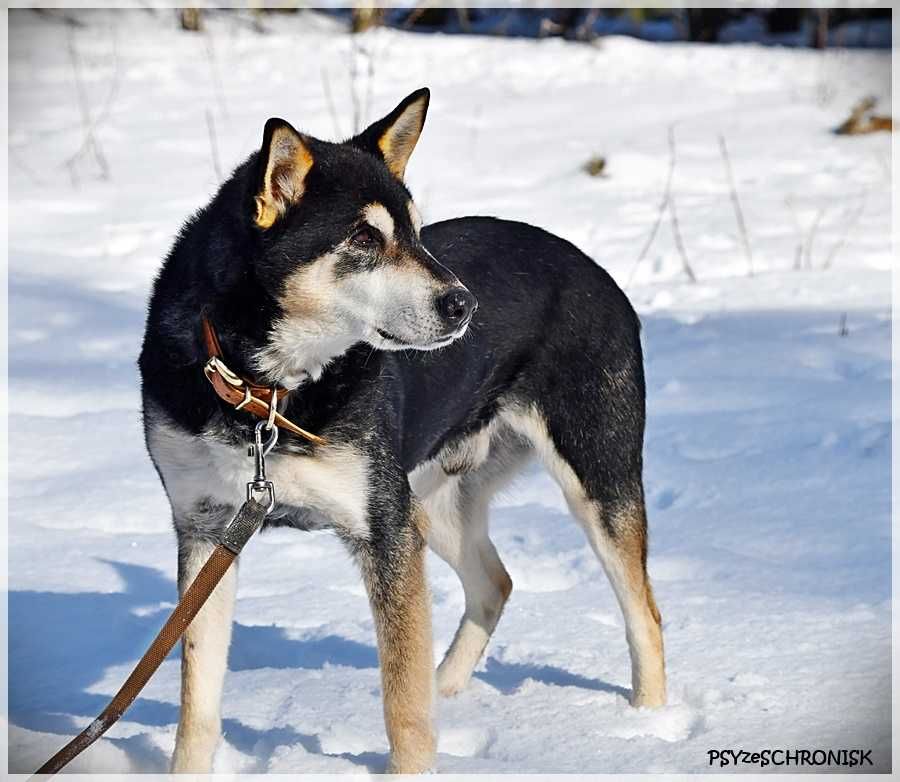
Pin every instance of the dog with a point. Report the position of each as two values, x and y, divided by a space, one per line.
434 362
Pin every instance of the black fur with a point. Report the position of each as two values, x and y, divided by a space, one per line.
551 331
552 328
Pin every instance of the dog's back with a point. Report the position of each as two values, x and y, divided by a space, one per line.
552 328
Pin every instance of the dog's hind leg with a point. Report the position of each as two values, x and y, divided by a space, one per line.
617 530
458 511
204 657
618 535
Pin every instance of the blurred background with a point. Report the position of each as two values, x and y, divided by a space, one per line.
816 27
730 168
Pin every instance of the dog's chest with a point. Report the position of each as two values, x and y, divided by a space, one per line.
197 470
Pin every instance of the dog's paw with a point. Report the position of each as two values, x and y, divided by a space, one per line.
649 700
449 685
423 761
413 748
449 690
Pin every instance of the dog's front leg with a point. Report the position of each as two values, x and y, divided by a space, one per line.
204 657
393 566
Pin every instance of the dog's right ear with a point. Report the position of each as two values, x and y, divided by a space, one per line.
284 162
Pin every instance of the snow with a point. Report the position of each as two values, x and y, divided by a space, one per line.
768 440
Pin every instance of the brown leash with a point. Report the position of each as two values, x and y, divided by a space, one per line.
237 533
260 402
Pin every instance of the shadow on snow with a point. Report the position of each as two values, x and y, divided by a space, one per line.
61 644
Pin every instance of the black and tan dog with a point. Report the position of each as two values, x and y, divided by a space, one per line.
313 266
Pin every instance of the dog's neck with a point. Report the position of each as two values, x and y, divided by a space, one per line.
290 354
297 352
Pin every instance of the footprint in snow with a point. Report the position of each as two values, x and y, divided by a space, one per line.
669 723
604 618
665 498
464 742
749 680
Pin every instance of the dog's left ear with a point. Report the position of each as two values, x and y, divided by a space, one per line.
394 137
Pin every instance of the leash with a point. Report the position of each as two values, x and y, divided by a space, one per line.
235 536
261 402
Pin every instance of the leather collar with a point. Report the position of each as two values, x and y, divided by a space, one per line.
241 393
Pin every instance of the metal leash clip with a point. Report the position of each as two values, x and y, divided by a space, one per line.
260 450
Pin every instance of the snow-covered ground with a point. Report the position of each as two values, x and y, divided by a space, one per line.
768 442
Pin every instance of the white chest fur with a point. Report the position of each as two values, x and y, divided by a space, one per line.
334 482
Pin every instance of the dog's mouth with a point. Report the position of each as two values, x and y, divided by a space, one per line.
386 335
393 342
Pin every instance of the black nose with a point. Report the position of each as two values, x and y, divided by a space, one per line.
456 306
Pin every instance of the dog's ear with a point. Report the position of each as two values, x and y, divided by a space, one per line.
394 137
284 162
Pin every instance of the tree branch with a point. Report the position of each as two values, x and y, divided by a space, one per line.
736 203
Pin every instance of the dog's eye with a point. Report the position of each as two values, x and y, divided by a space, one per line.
366 237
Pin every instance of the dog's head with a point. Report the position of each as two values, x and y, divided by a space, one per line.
340 250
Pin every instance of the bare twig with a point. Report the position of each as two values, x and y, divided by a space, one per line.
213 144
667 202
659 216
360 108
214 71
811 236
798 250
326 88
354 97
91 123
90 141
359 103
736 203
676 231
848 229
806 238
370 82
73 173
17 160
